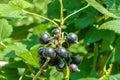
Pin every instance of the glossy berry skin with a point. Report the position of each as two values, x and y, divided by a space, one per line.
74 68
72 38
49 52
44 38
68 59
55 31
54 41
76 59
41 51
60 64
42 60
61 52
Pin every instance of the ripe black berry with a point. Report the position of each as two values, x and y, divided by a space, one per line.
76 59
60 64
41 51
62 52
55 31
73 68
49 52
54 41
42 60
44 38
72 38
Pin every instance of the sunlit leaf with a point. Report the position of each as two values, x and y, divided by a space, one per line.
5 29
111 25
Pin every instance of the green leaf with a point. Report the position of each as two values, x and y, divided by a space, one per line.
111 25
95 34
19 4
101 9
55 75
115 77
13 8
5 29
87 16
105 46
116 52
28 56
113 6
9 74
77 48
88 79
8 11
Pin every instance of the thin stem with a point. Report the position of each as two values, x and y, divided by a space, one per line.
41 17
76 12
61 12
40 70
1 43
21 77
61 23
95 57
108 59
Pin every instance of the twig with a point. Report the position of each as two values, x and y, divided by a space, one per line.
41 17
76 12
40 70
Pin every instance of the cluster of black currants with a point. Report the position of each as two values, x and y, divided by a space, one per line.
59 56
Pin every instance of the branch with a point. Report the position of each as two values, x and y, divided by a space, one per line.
40 70
76 12
41 17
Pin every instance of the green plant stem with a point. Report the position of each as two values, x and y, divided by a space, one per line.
76 12
1 43
108 59
41 17
95 57
67 72
61 23
40 70
21 77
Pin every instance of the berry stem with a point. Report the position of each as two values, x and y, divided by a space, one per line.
40 70
41 17
61 23
76 12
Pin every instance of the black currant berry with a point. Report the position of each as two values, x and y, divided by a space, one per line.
41 51
54 41
60 64
44 38
42 60
76 59
62 52
55 31
68 59
65 44
72 38
52 62
74 68
49 52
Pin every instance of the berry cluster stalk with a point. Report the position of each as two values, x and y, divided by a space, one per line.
66 70
40 70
